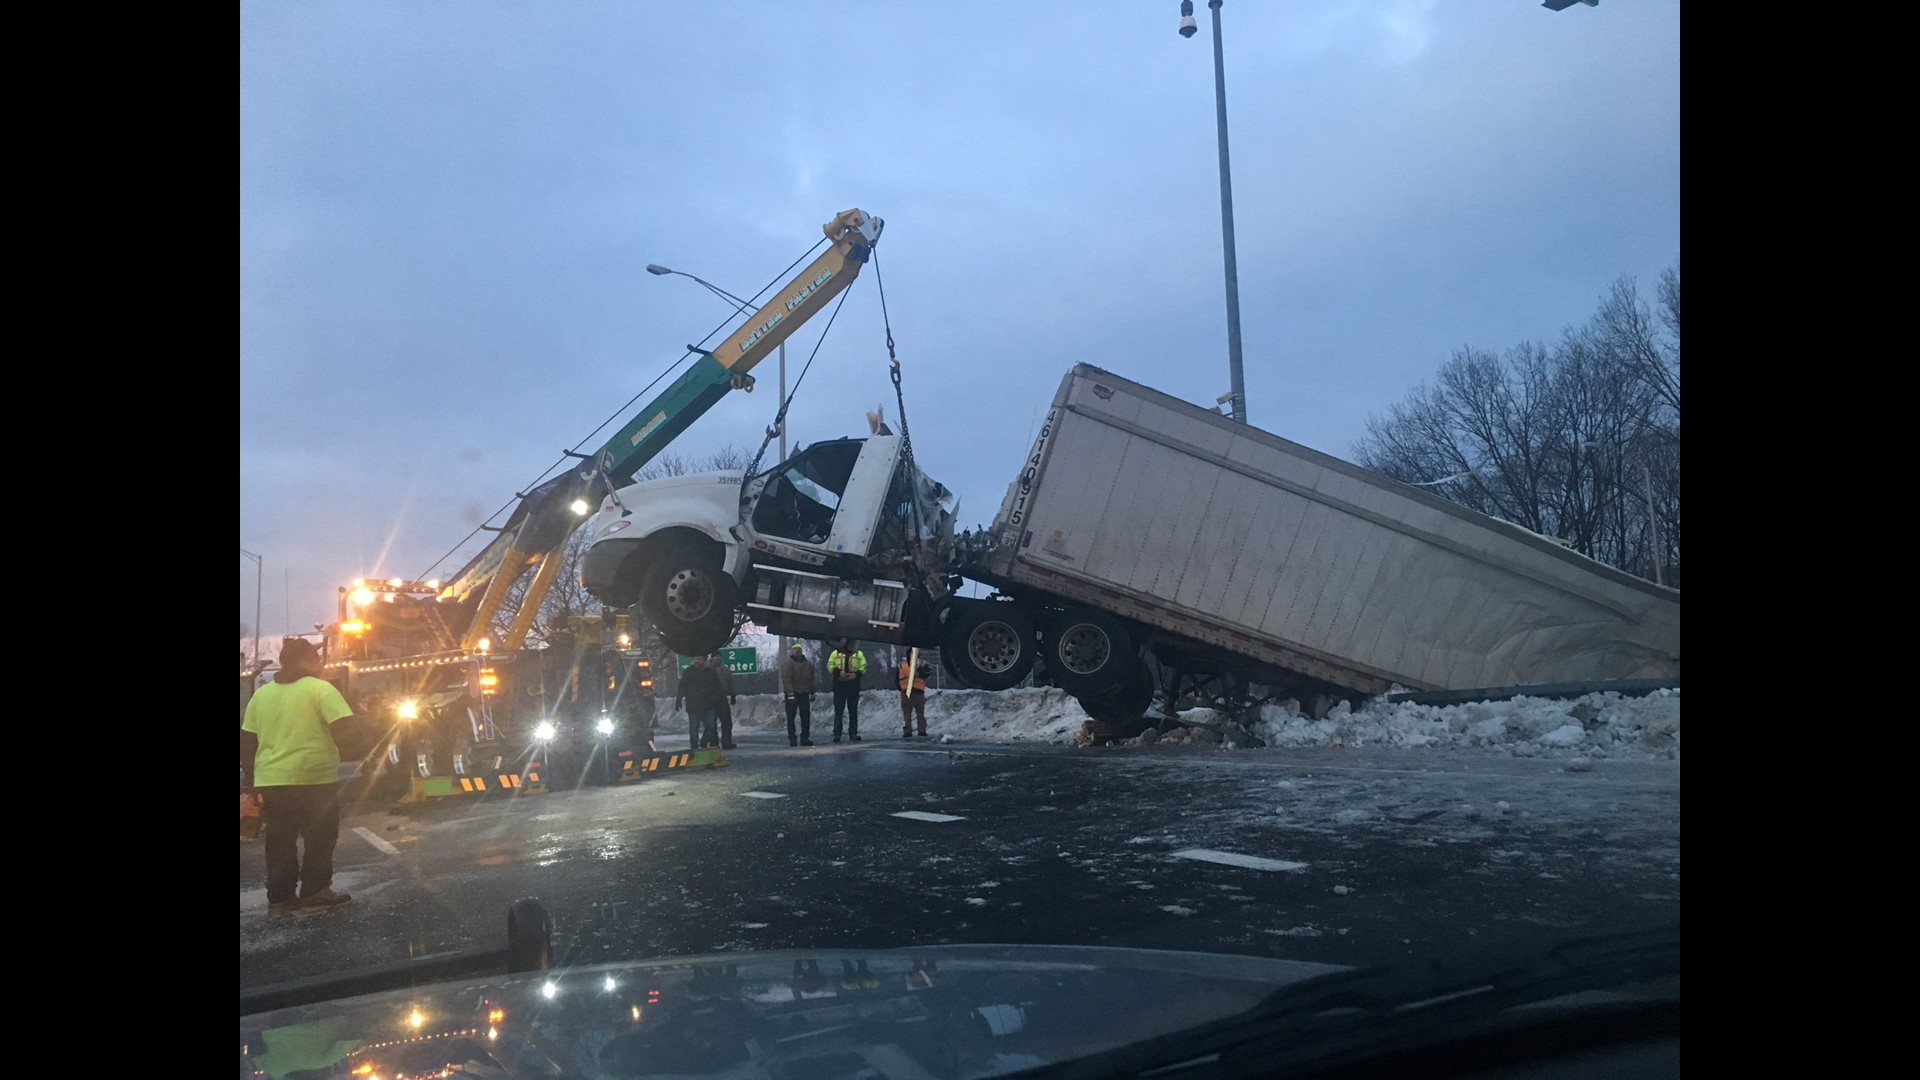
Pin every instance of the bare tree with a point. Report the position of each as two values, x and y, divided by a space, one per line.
1580 442
728 456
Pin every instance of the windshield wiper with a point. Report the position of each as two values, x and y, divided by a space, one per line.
1377 1009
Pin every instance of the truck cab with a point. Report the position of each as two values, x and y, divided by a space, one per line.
820 546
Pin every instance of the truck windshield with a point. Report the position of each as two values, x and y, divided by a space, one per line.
800 501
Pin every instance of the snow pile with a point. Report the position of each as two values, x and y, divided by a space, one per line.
1597 725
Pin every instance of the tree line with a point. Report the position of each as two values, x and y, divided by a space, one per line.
1578 440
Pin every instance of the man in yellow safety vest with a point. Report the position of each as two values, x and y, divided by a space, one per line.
844 668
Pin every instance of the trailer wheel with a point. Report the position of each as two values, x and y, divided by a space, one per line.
685 593
991 643
1122 714
1091 653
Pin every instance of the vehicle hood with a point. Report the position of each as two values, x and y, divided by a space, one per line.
700 479
940 1011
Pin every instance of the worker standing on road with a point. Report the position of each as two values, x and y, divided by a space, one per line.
796 686
913 696
844 668
723 705
290 757
700 694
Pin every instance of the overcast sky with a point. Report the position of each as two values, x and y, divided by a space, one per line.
446 211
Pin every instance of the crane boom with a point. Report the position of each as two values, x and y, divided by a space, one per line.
539 527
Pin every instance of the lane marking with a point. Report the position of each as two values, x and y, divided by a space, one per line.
1231 858
377 841
762 795
922 815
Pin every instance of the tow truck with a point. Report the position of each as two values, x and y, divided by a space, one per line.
466 711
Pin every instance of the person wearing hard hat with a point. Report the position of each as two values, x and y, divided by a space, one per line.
796 686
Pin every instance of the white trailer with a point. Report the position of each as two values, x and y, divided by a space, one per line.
1225 546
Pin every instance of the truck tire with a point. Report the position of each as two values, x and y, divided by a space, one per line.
1122 714
1090 652
685 593
991 643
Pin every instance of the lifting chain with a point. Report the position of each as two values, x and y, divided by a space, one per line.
906 438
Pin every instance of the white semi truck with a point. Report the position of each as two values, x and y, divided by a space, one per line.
1147 547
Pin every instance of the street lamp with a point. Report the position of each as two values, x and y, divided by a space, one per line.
1187 30
740 305
744 308
256 605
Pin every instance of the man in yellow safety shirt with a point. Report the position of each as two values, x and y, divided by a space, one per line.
844 668
290 758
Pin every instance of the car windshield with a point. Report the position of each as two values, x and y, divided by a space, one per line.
1105 520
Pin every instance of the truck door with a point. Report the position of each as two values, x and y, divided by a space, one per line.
827 496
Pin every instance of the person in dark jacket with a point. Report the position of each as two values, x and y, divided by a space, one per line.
723 705
702 695
796 686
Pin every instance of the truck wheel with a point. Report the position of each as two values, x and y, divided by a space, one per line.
1122 715
991 643
686 594
1090 652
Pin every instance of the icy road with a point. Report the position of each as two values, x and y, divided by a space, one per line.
1350 855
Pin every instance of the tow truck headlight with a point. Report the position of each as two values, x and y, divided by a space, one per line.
543 730
605 726
408 711
581 507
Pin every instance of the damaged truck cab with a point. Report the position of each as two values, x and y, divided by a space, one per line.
828 543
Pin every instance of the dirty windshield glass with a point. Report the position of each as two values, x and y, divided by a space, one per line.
956 541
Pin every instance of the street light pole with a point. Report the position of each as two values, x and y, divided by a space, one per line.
1238 389
744 308
256 605
741 305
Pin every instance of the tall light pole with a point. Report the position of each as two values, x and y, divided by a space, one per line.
1238 389
744 308
741 305
256 605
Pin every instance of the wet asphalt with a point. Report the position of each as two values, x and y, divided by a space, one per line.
1355 856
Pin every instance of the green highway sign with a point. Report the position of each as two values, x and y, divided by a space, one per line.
738 661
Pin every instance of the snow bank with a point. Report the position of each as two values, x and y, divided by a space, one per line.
1594 726
1597 725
